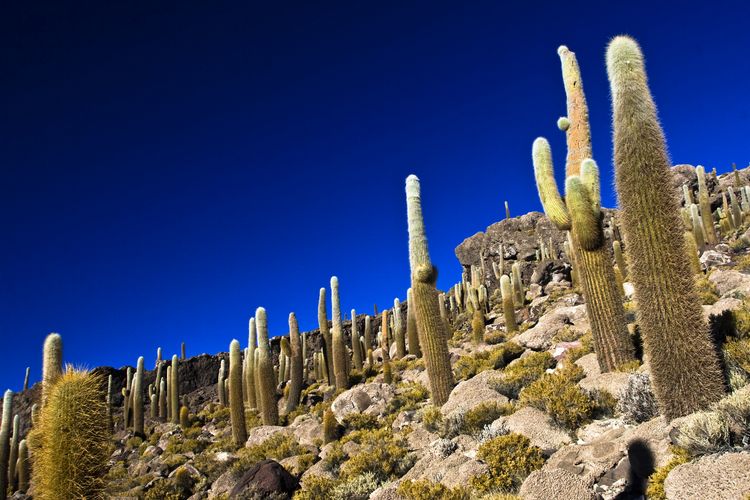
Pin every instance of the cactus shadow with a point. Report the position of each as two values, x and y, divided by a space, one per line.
642 465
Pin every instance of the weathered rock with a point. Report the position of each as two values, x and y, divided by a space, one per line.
473 392
257 435
589 364
370 399
540 336
546 484
718 477
537 426
612 382
730 280
307 430
453 470
714 258
266 477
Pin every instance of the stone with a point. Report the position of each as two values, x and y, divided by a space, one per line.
540 336
453 470
473 392
370 399
722 476
266 477
713 258
535 425
730 280
258 435
589 364
307 430
612 382
546 484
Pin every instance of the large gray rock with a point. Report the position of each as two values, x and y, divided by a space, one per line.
540 336
612 382
535 425
257 435
718 477
307 429
730 280
546 484
370 399
473 392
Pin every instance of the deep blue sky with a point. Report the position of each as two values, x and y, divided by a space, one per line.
168 167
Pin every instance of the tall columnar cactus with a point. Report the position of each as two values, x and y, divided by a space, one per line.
295 361
174 393
184 417
697 226
110 409
159 368
705 206
284 352
433 337
384 347
236 404
340 355
685 369
13 454
580 214
23 466
169 393
52 363
399 329
619 258
26 378
265 379
411 326
71 442
138 399
127 411
163 399
326 335
736 211
252 391
356 345
5 441
509 312
182 351
154 406
517 280
477 327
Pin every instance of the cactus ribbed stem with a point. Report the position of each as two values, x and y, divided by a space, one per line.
23 466
295 362
433 337
52 365
326 336
411 326
5 441
252 390
385 347
26 379
169 393
509 312
356 346
705 206
340 355
110 419
685 369
368 332
163 399
138 399
399 334
174 393
236 404
620 259
269 410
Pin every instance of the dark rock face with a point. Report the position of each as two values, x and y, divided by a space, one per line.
266 477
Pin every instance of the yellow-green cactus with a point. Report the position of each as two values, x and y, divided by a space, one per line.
325 334
174 392
5 441
685 369
138 399
252 391
705 206
509 312
265 377
52 363
356 345
295 361
340 354
433 337
236 404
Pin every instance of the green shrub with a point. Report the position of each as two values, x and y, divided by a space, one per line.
427 490
494 337
316 487
334 458
408 397
557 395
490 359
381 453
655 489
586 347
706 290
484 414
521 373
432 418
737 352
359 421
165 489
510 458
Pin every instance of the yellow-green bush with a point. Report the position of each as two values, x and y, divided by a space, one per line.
494 337
408 397
738 353
278 447
359 421
432 418
586 347
706 290
427 490
484 414
557 395
177 444
522 372
381 453
655 489
316 487
490 359
742 320
510 458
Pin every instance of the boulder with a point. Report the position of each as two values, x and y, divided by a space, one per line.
730 280
307 430
714 258
257 435
546 484
473 392
453 470
540 336
266 477
718 477
370 399
612 382
589 364
535 425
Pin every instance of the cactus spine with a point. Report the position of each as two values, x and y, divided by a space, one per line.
71 442
5 441
326 335
269 410
411 326
174 392
295 362
399 329
433 337
138 399
340 355
236 404
52 363
685 369
580 214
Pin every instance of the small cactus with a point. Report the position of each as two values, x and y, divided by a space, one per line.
236 404
477 327
356 346
705 206
220 383
385 348
23 466
330 427
184 418
509 311
399 330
